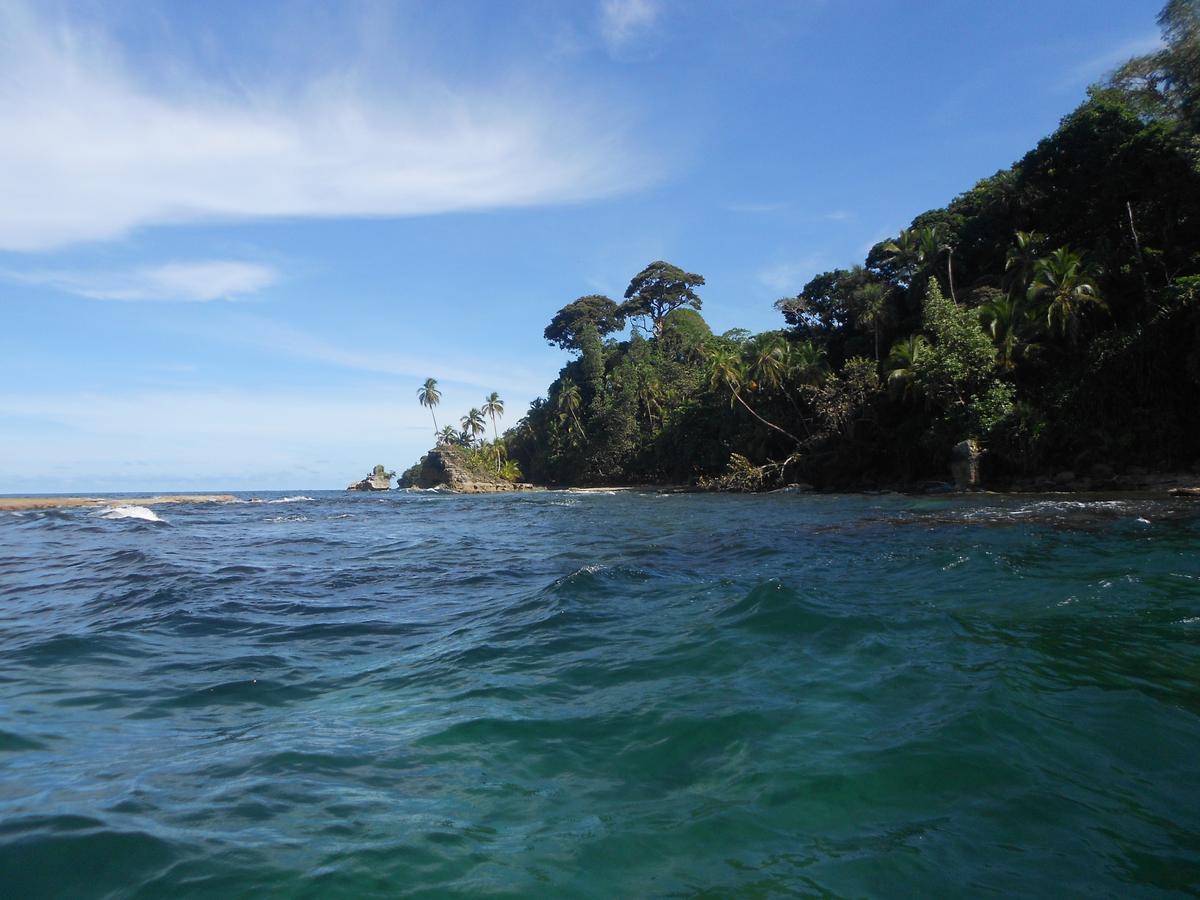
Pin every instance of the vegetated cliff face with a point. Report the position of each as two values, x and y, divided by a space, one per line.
449 467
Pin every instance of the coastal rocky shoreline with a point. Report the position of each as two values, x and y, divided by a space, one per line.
448 468
379 480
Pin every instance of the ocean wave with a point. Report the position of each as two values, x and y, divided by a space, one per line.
462 696
140 513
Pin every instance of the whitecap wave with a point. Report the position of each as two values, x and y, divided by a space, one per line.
299 498
130 512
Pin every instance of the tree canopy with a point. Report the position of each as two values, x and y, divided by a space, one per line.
657 290
568 323
1050 313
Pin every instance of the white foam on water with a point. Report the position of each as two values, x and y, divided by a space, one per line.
130 512
297 499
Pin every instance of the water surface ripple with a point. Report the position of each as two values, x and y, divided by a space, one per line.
569 694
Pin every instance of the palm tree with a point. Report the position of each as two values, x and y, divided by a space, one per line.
727 373
429 395
766 359
472 424
906 253
493 406
1065 283
568 404
1009 322
932 246
447 435
873 309
1020 262
913 250
648 392
806 363
902 364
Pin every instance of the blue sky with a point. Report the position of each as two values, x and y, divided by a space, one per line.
235 238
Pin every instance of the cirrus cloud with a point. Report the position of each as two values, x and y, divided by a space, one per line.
188 281
94 148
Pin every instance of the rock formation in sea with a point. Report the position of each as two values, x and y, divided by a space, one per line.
449 467
964 465
379 480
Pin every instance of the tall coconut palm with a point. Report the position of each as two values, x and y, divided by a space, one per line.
806 363
493 406
906 253
429 395
766 360
1020 261
873 311
932 246
648 393
1007 319
1064 283
568 404
472 424
902 363
726 372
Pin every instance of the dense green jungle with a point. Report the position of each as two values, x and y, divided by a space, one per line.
1050 315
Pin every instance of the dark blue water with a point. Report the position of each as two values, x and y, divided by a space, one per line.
561 694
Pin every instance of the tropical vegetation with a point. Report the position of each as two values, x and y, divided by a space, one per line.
1051 313
478 454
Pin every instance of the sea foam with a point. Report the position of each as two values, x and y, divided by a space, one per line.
130 512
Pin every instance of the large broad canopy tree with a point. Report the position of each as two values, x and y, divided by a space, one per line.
566 328
657 290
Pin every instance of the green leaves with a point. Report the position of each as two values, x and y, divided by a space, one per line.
658 289
1064 283
568 324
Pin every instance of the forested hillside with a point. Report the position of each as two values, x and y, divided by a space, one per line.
1051 313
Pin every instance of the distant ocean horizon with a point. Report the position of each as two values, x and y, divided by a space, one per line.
322 693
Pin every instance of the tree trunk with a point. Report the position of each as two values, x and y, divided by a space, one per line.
737 396
435 428
950 273
496 440
1137 246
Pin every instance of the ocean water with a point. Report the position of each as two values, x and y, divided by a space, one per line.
601 695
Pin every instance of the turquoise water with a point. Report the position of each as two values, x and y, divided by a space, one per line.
561 694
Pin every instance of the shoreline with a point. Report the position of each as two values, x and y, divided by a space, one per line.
1175 486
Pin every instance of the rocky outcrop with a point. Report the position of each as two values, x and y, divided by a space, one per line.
449 468
964 465
379 480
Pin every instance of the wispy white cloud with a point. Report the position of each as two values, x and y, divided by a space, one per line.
623 20
267 335
756 208
185 281
790 276
1100 64
93 148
